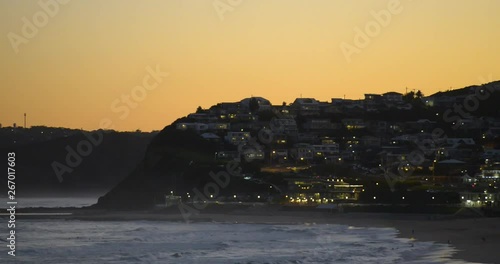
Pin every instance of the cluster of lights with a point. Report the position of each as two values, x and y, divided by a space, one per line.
311 199
335 180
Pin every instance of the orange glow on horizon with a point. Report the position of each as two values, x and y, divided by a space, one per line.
90 54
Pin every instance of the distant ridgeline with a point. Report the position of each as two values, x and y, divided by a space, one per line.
316 142
66 160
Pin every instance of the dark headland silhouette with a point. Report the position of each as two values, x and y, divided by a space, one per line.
139 168
182 159
40 149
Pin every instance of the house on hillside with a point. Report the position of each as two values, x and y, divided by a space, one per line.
302 152
211 137
227 155
287 126
420 125
490 174
373 102
218 126
278 155
491 155
237 137
455 142
393 97
353 123
319 124
307 138
203 117
306 106
463 149
198 127
371 141
228 108
264 104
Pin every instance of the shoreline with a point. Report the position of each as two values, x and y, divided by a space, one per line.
475 240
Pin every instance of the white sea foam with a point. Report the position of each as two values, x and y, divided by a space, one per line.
55 202
60 241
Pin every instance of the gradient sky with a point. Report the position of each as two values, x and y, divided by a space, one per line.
92 52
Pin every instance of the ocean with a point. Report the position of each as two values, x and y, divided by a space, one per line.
64 241
73 241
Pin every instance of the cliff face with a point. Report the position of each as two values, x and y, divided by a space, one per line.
177 161
172 160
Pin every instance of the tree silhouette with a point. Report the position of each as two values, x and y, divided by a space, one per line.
199 110
408 97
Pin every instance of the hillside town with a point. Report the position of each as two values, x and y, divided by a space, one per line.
386 148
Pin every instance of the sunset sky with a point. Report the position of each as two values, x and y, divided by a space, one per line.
90 53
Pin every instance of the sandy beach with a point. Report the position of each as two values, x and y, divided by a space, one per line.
476 239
